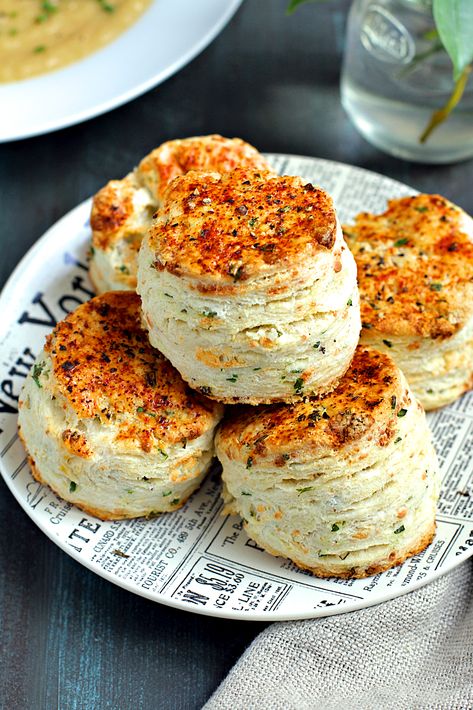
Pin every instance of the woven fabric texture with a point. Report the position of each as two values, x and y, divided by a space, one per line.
412 653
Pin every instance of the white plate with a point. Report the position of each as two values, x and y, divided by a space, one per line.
165 38
194 558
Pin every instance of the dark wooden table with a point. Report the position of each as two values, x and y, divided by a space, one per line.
69 639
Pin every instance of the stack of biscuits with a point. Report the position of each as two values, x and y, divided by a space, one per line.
244 342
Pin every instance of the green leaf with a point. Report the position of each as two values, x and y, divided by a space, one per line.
106 6
294 4
304 490
37 370
454 22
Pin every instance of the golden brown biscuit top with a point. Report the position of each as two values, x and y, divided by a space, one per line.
112 212
415 267
106 368
368 402
115 216
228 228
206 153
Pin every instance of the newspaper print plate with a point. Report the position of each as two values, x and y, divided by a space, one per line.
194 558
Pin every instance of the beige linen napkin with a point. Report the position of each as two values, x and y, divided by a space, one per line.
412 653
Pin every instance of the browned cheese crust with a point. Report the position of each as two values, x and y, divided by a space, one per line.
415 267
364 407
104 366
228 228
113 209
202 153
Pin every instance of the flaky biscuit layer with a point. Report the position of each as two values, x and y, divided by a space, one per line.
415 274
107 420
343 485
241 321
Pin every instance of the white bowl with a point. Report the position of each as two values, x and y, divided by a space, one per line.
165 38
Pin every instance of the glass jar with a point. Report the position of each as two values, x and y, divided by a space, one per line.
395 75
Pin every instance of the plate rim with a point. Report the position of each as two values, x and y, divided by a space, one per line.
76 213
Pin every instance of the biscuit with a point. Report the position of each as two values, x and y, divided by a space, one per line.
343 485
107 421
248 287
415 275
122 210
